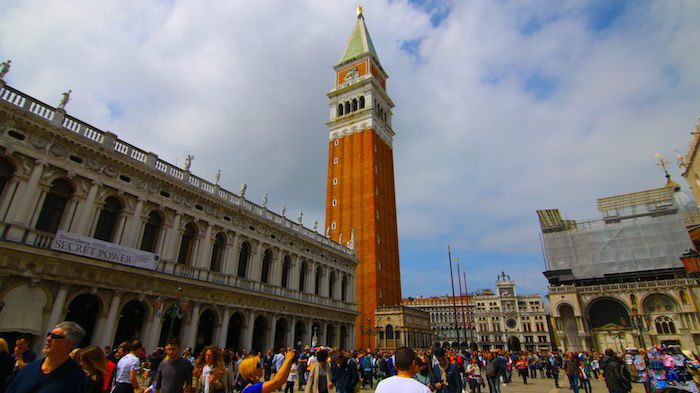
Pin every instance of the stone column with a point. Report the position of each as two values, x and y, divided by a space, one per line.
87 211
271 334
247 341
255 268
223 329
205 247
308 334
323 292
191 328
134 224
291 332
21 213
230 265
172 240
275 277
156 327
110 326
57 309
337 335
293 279
310 277
322 333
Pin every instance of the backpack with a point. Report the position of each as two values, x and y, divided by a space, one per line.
366 363
491 369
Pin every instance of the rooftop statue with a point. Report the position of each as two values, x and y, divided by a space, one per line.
4 68
64 100
242 190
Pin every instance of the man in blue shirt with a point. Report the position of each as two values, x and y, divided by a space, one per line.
57 372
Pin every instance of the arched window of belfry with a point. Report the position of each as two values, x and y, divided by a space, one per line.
55 203
354 104
347 107
339 112
362 102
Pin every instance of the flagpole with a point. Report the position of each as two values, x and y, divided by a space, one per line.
461 300
454 301
469 314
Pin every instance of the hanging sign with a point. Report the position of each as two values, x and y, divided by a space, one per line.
93 248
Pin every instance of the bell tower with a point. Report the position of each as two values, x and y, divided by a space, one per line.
360 196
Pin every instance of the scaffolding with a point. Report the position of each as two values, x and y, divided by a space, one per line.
642 231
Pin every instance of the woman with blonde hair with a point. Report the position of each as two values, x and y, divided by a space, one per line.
93 361
209 371
251 371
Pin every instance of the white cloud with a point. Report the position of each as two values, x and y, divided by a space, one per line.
241 85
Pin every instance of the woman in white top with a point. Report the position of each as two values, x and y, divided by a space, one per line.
126 372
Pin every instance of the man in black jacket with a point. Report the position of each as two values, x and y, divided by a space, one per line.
617 377
448 378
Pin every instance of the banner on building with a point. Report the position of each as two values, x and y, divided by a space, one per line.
106 251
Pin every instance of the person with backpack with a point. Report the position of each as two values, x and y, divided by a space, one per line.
554 365
617 376
366 366
493 372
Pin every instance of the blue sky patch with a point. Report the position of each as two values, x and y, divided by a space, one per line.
115 110
541 86
439 10
602 14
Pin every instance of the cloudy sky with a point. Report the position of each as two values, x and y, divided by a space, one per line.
502 107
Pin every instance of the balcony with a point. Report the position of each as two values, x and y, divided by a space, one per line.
43 240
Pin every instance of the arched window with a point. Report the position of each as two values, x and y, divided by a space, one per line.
54 204
389 332
362 102
302 276
331 284
243 257
344 288
317 283
340 110
665 325
354 104
347 107
267 261
187 245
149 241
109 218
6 172
217 253
286 267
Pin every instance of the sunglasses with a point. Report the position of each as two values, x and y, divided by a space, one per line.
55 336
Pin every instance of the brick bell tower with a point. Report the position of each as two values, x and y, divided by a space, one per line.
360 196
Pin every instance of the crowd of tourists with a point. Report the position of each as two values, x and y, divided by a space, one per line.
129 368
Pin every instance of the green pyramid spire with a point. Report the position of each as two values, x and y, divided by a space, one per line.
360 42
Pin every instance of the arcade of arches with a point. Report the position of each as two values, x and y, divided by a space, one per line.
664 315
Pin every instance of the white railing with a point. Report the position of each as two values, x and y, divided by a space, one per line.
19 99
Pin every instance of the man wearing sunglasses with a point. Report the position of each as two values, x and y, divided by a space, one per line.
57 372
